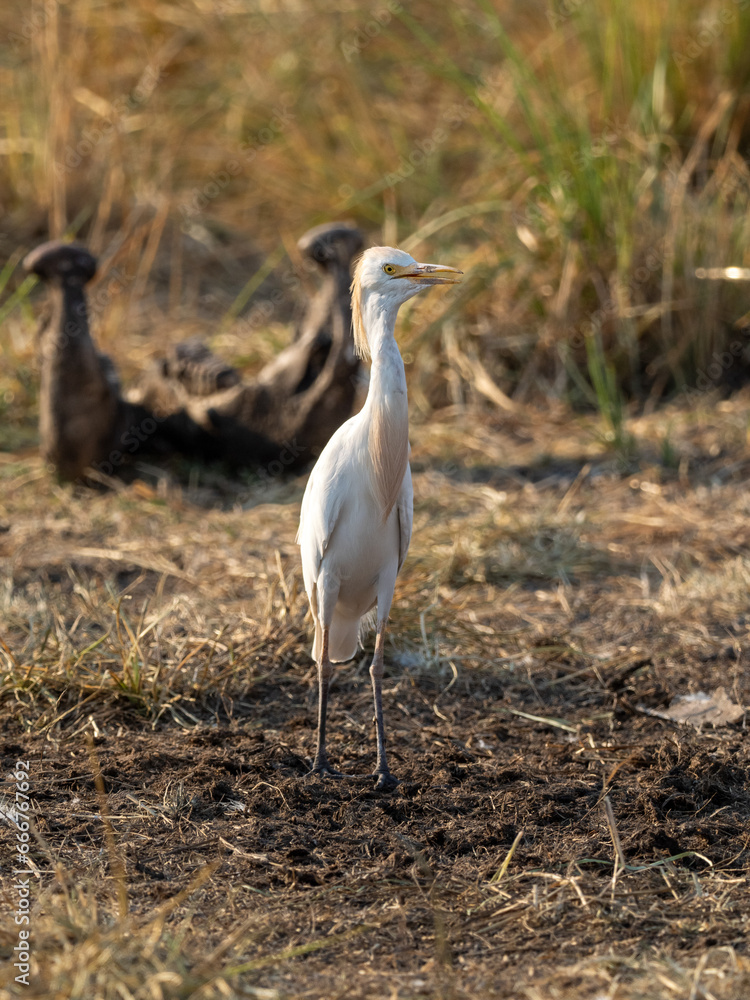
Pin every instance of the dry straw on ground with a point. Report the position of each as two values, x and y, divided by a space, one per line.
548 839
570 574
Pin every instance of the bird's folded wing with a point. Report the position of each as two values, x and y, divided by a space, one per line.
318 517
405 514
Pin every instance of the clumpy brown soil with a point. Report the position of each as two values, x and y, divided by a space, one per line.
415 873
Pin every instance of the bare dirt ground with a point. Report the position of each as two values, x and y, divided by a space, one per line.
549 837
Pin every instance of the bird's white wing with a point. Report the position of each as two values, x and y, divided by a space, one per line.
405 514
321 506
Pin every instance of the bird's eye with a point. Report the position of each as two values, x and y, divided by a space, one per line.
389 268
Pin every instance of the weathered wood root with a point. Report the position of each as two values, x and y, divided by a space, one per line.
299 399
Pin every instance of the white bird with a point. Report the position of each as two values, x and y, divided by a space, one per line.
356 519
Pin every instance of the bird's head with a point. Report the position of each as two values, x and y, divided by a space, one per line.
393 276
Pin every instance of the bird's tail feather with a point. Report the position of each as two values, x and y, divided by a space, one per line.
343 638
344 635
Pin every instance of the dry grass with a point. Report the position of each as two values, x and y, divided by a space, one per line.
579 162
546 597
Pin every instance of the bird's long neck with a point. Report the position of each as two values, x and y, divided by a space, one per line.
386 409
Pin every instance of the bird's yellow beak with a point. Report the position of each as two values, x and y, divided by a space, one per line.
432 274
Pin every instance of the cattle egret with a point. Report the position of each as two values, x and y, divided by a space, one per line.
356 517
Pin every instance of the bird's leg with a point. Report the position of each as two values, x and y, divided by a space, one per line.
325 670
386 781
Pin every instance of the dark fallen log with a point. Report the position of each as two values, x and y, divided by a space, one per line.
192 402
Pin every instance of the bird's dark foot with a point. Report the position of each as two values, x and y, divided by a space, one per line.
324 770
386 781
